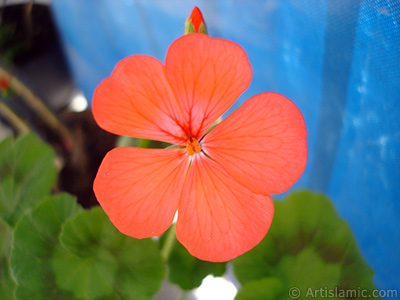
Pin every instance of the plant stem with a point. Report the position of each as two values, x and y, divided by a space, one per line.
36 104
169 242
13 118
183 295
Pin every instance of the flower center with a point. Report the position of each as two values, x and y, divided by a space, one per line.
193 146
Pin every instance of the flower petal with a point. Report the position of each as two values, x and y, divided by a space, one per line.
263 144
207 75
136 100
139 189
219 218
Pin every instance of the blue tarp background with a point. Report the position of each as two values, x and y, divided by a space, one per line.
338 60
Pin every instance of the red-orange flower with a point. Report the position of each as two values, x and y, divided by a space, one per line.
218 181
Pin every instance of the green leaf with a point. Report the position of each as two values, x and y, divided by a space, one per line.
266 288
308 271
99 261
189 28
186 270
307 246
7 284
27 174
35 239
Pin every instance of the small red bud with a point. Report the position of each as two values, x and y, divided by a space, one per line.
4 84
195 23
197 18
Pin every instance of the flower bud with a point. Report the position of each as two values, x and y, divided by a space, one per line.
4 84
195 23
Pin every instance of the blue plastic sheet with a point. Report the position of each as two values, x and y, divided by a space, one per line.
338 60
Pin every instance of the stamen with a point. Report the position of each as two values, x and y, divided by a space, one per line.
193 146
